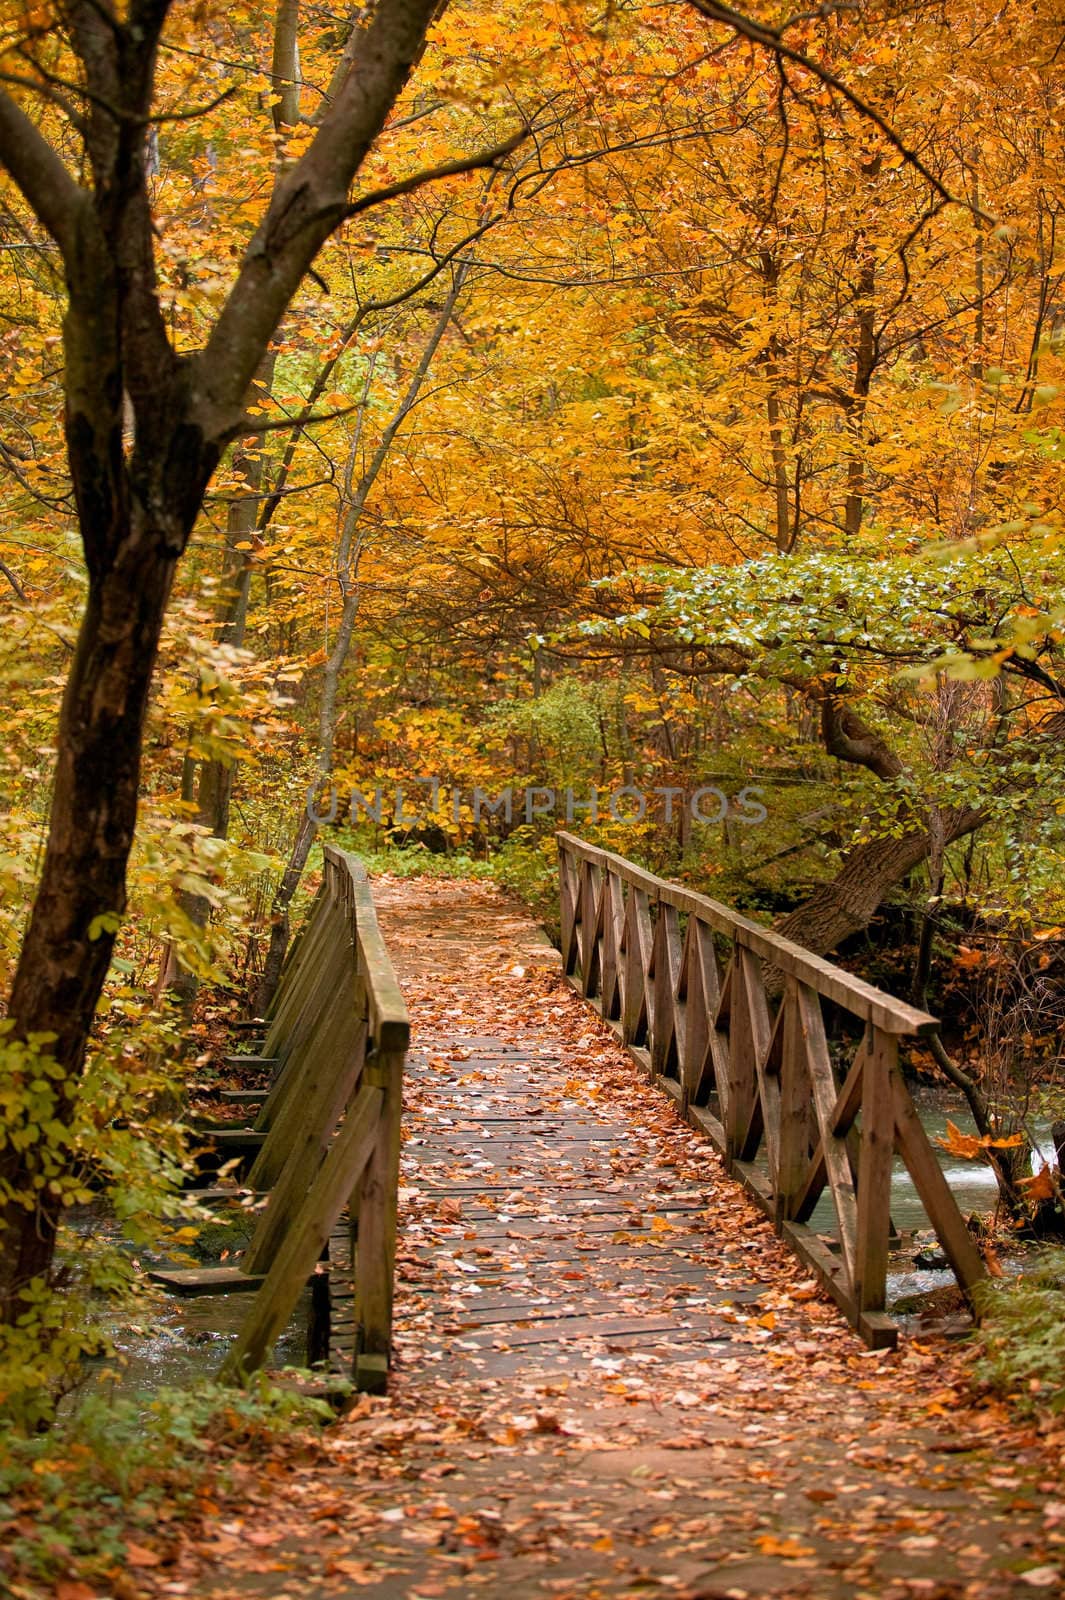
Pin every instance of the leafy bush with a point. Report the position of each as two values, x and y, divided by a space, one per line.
72 1500
1022 1337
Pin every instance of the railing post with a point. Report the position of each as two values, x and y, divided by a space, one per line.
375 1251
665 1040
636 1007
568 907
591 908
876 1153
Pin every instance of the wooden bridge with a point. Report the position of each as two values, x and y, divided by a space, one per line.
787 1064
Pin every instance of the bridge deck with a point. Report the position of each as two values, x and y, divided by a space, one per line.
612 1378
559 1217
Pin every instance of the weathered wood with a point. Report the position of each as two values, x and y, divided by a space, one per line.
934 1191
303 1243
374 1205
635 1015
590 928
668 1009
205 1280
874 1173
334 1051
307 1148
797 1118
773 1078
613 914
235 1141
858 997
339 1015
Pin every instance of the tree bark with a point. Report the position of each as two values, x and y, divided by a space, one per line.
868 872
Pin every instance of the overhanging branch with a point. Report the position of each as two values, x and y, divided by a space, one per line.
772 39
55 199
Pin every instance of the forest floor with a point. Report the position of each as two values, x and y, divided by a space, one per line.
611 1377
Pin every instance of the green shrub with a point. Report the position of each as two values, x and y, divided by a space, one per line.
1022 1337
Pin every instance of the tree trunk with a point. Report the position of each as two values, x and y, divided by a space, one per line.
138 500
67 948
849 901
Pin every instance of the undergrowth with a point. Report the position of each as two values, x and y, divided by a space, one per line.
1021 1340
93 1495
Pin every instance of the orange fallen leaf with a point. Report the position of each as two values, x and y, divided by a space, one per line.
790 1549
139 1556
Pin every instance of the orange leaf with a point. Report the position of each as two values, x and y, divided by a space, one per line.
138 1556
791 1549
1040 1186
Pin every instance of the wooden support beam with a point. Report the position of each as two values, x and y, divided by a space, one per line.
305 1239
874 1172
205 1280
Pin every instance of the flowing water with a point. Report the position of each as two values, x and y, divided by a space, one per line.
972 1183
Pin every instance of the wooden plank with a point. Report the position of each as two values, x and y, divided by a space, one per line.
389 1021
935 1192
796 1105
302 1246
830 1156
375 1205
636 1018
298 1140
326 971
849 1101
862 999
591 911
613 903
239 1141
748 1035
876 1328
568 904
308 1146
768 1064
874 1172
205 1280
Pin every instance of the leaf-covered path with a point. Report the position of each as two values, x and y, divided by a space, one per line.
611 1378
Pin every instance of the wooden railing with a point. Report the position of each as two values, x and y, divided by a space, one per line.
329 1129
729 1018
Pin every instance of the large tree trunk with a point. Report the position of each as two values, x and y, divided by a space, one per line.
82 892
848 902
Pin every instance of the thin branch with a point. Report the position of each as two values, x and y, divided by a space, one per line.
490 159
772 39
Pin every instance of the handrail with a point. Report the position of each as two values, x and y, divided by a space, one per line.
761 1083
857 996
347 879
331 1126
